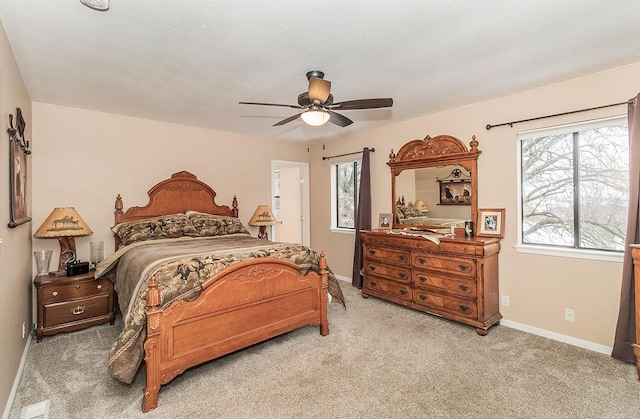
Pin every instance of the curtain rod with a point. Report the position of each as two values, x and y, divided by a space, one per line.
347 154
489 126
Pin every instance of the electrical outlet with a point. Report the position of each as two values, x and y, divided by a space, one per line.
569 315
505 300
24 330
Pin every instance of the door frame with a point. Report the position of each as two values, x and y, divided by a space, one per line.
304 171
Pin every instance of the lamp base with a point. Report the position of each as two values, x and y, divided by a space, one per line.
67 253
262 233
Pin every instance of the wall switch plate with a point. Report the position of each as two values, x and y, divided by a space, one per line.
505 300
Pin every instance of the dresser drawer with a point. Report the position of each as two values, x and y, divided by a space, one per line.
71 311
54 293
388 271
396 256
390 288
386 240
458 266
442 303
457 286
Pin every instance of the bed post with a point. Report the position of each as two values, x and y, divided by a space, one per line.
151 350
324 291
234 205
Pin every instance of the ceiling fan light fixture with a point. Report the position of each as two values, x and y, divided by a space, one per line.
101 5
315 117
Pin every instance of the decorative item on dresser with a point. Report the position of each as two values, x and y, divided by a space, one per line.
436 267
635 252
72 303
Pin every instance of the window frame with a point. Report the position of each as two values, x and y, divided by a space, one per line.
546 250
334 195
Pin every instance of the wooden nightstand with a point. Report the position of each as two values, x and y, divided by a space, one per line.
68 303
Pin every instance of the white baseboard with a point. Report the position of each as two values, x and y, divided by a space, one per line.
16 380
558 337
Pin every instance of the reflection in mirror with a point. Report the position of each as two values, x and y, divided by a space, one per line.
421 187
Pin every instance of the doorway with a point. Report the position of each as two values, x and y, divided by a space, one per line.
290 201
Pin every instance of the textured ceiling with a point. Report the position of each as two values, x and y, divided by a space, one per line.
191 62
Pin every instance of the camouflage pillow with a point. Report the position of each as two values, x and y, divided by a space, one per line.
215 225
162 227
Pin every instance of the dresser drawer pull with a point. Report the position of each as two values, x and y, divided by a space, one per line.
54 293
464 268
78 310
402 275
463 308
372 268
403 292
422 261
464 250
463 287
99 286
77 287
372 252
402 257
422 297
373 283
422 279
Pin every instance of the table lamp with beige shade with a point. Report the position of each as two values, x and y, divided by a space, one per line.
64 224
262 217
420 206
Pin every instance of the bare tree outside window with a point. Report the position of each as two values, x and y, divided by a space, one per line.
347 183
575 188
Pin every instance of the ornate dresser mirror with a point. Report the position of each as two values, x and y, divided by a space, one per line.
434 183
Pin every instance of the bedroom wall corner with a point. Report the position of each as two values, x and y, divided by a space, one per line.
15 251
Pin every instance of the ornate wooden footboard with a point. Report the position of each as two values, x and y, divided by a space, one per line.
248 303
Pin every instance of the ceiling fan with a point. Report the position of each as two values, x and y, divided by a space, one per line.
319 107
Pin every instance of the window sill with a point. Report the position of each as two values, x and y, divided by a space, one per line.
571 253
342 230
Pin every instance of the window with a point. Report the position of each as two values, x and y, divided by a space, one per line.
345 180
574 186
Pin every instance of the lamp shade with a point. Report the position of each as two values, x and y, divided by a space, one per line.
63 222
315 117
421 206
96 4
262 216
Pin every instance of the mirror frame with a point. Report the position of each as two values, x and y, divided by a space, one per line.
441 150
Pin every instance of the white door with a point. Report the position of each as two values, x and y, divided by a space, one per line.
290 202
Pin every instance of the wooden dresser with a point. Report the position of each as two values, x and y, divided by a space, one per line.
456 279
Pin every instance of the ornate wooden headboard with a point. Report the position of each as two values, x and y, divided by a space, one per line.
182 192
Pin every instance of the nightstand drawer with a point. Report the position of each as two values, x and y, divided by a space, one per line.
55 293
75 310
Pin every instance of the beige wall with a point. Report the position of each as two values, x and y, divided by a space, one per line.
539 287
15 252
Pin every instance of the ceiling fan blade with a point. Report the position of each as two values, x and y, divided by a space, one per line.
271 104
287 120
363 104
339 120
319 90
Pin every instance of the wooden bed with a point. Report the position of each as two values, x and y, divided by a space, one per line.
246 303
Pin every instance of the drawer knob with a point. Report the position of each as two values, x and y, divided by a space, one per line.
403 292
77 287
402 275
422 279
372 268
373 283
422 261
463 308
402 257
78 310
464 250
464 268
99 286
463 287
372 252
54 293
422 297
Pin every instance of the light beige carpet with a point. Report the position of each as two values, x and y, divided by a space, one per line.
379 361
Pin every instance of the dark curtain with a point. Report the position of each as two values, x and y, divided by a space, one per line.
363 216
626 327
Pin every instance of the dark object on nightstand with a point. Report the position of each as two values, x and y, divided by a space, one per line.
72 303
77 268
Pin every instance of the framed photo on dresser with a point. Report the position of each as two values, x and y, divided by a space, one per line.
384 222
491 222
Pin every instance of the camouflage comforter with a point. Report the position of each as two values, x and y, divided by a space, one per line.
181 265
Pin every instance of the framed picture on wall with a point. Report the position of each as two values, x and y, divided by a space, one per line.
384 222
18 152
455 192
491 222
